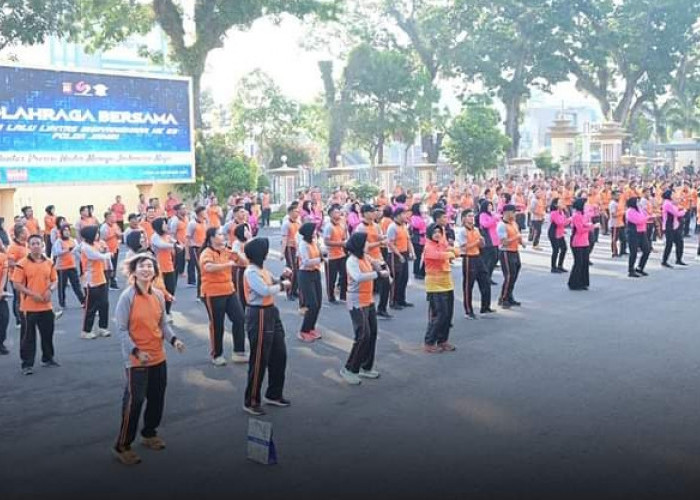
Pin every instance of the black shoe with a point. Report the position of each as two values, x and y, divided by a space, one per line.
666 264
590 263
281 402
50 364
398 307
487 311
562 270
113 286
493 283
632 274
680 263
384 314
332 301
555 271
3 350
514 302
406 304
470 316
623 253
640 271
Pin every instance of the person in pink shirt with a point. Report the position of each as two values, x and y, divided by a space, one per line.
488 224
353 218
671 217
637 239
557 229
417 227
580 230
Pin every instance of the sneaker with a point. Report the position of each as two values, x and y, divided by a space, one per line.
3 350
240 357
350 377
554 270
514 302
632 274
470 316
446 346
281 402
169 318
487 311
103 332
680 263
58 314
27 370
153 443
50 364
126 457
254 410
431 349
373 374
316 334
306 336
398 307
191 285
406 304
87 335
504 305
113 286
562 270
218 361
666 264
640 271
384 315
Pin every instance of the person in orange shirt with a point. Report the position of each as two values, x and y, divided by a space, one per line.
96 259
30 222
146 225
290 229
196 233
35 278
4 308
112 237
140 317
335 235
164 248
310 261
214 214
470 242
362 271
218 290
64 252
15 252
375 239
49 225
400 251
439 287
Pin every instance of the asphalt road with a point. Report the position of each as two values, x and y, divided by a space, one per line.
573 395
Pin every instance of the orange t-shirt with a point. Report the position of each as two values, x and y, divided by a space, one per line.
337 235
147 230
366 288
473 236
49 222
181 231
199 234
144 328
37 275
164 256
16 252
512 232
214 216
112 239
215 283
401 241
372 237
66 260
33 226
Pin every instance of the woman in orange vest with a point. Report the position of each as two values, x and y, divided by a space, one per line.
140 317
362 271
97 260
64 253
49 225
164 248
310 288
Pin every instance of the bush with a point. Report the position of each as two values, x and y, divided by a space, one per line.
263 182
366 192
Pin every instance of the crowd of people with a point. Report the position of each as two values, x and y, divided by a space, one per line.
361 252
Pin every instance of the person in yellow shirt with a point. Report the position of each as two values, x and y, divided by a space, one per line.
440 289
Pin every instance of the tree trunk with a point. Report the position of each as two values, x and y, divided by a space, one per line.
381 137
513 124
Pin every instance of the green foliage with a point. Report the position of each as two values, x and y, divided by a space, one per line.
384 87
263 182
221 168
366 192
474 142
624 53
544 162
296 154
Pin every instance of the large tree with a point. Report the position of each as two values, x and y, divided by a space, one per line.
624 53
384 88
475 143
511 46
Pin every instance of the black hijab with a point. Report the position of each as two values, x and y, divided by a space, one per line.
307 231
239 232
256 250
356 244
431 230
578 204
133 241
89 234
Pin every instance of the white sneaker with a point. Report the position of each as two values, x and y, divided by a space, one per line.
369 374
350 377
219 361
240 357
169 318
58 314
87 335
103 332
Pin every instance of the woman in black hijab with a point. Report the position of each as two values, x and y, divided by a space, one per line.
310 294
265 330
362 272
